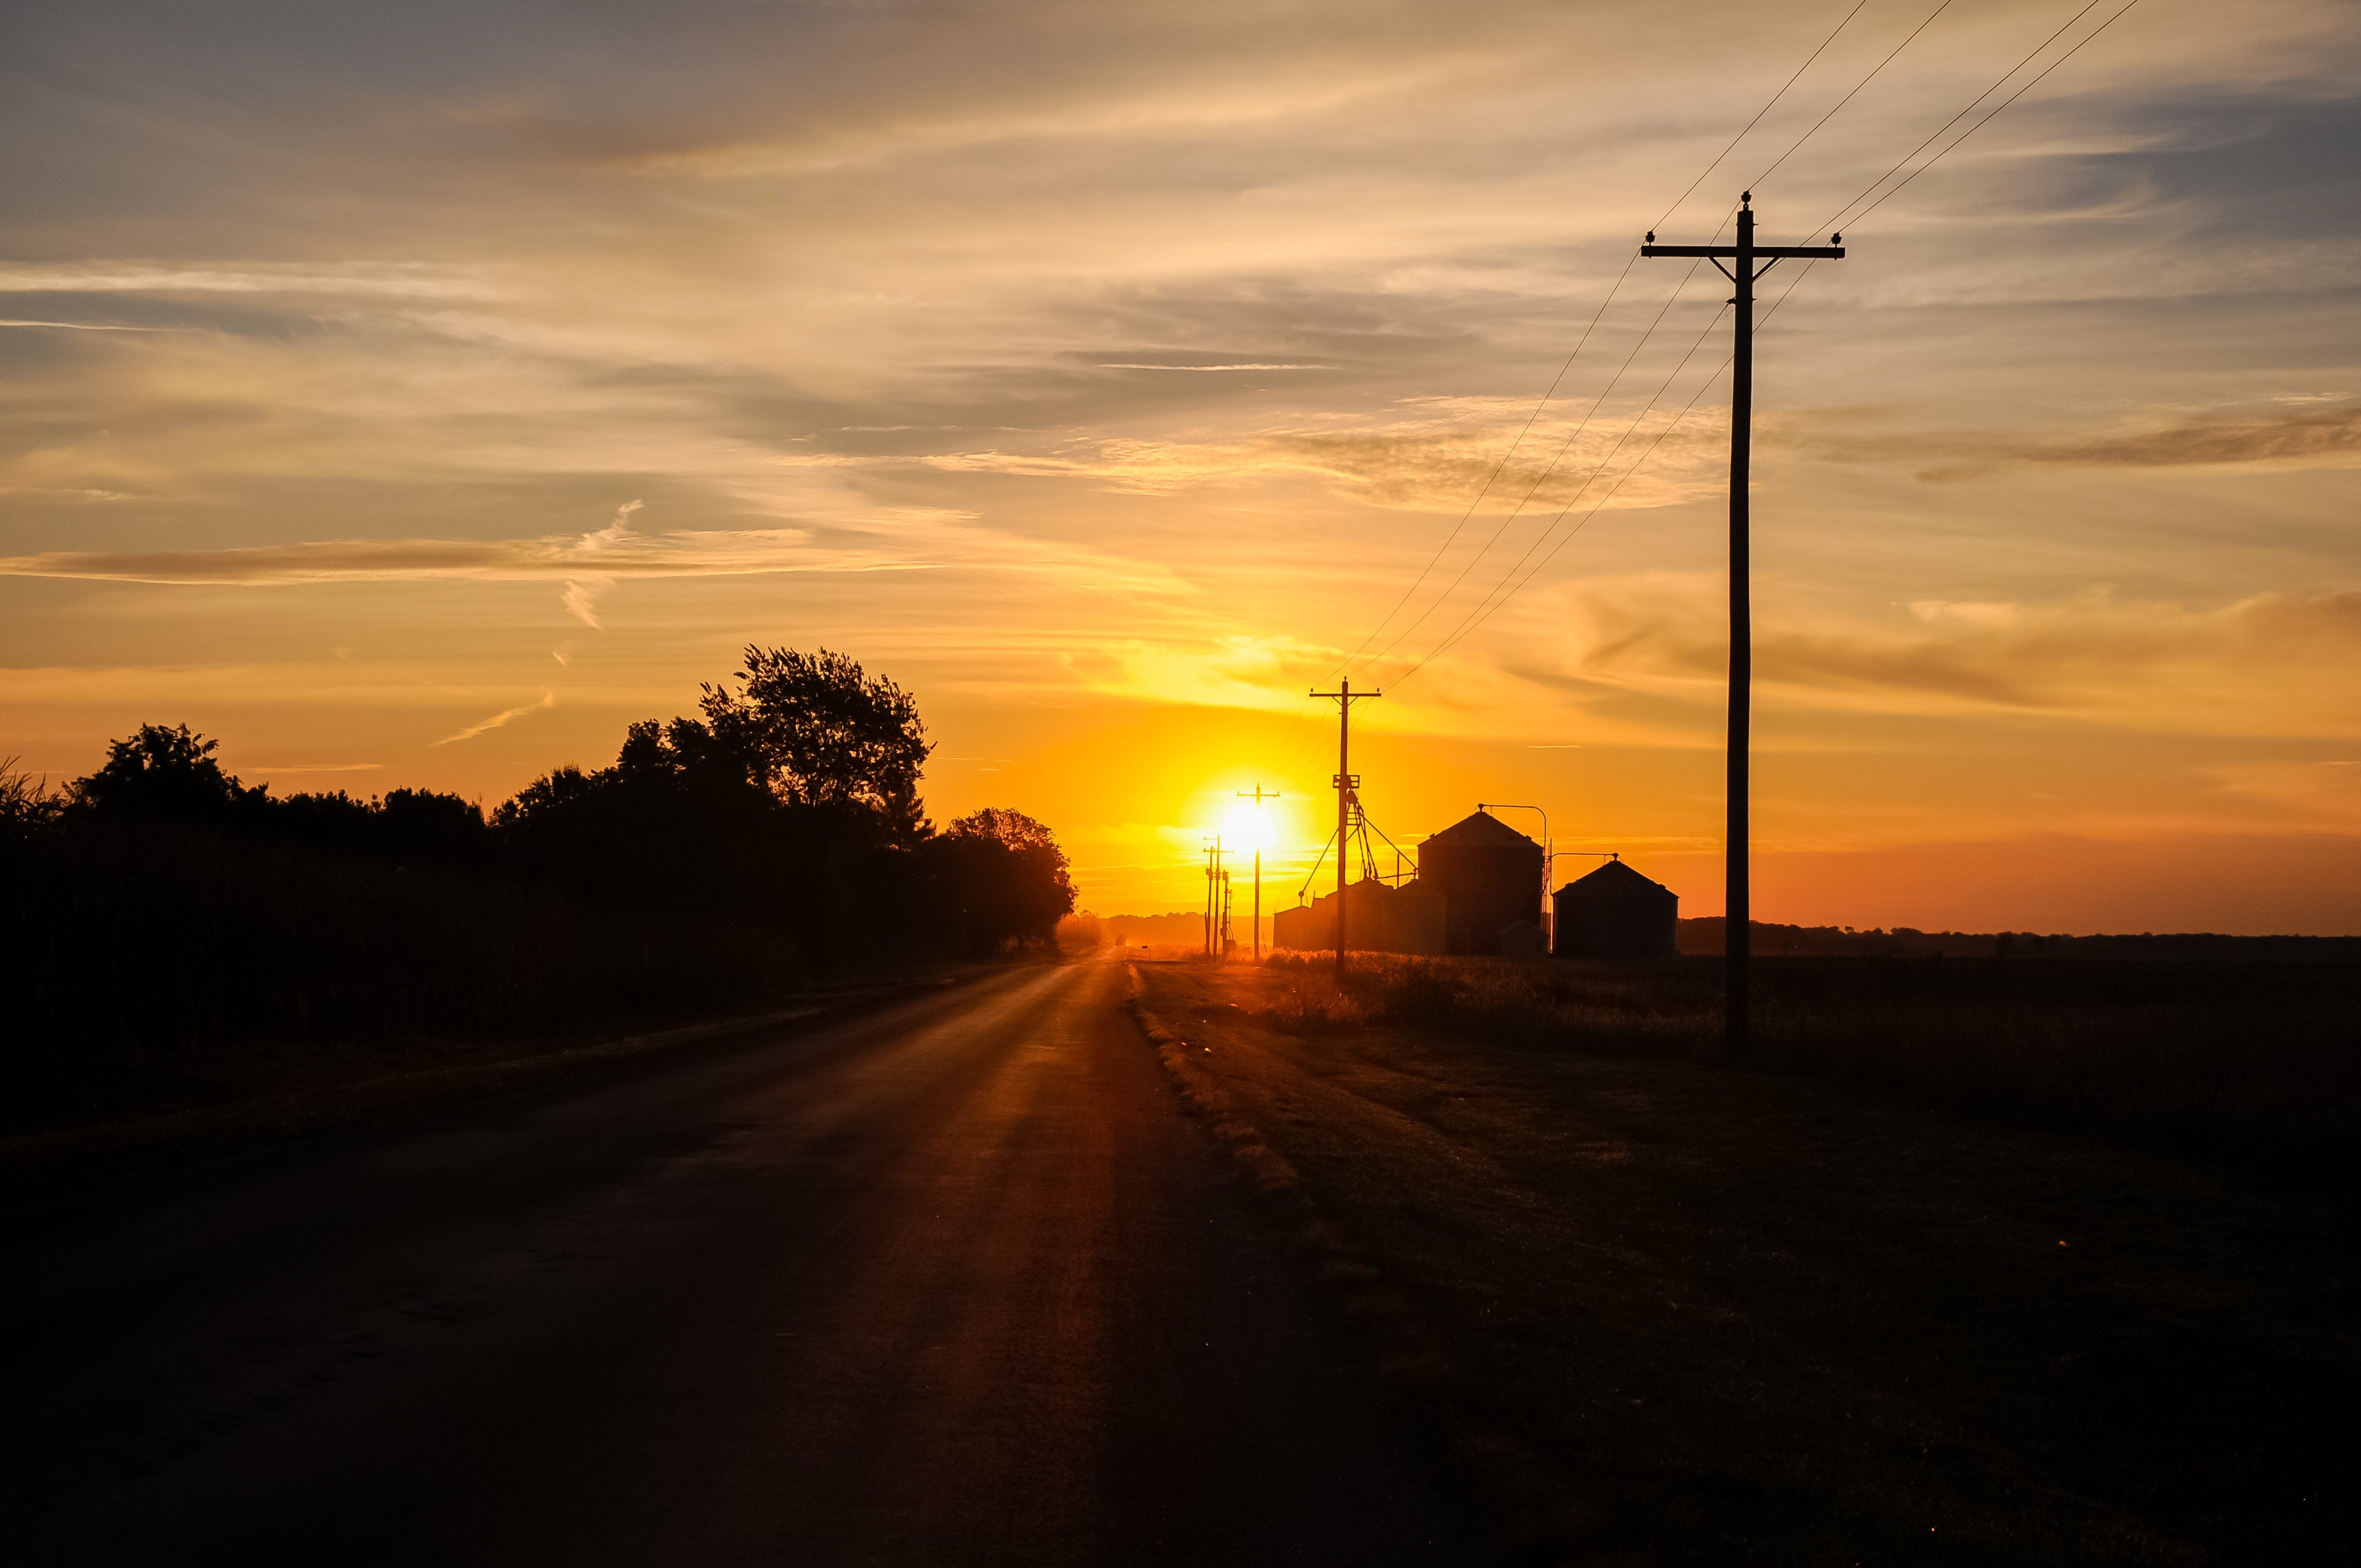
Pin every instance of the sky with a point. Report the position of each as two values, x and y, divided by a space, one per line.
418 395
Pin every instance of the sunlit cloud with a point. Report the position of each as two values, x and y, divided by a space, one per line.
563 556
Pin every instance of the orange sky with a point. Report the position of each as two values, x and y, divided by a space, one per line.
419 399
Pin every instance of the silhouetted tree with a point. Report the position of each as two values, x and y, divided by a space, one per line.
815 730
998 876
160 774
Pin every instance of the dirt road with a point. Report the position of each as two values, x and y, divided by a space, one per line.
955 1282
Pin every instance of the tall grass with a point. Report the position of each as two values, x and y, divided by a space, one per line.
2261 1061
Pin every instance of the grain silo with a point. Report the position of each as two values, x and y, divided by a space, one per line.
1489 873
1616 913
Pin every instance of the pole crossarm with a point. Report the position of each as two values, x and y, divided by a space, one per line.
1760 252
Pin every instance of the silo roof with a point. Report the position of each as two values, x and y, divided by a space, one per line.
1483 827
1614 879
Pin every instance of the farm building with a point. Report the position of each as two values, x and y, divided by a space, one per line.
1490 875
1378 919
1616 913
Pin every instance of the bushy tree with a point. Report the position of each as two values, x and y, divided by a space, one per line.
815 730
162 774
998 876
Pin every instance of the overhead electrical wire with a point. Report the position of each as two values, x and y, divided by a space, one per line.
1487 607
1642 462
1498 468
1757 120
1841 212
1493 600
1551 467
1824 119
1354 657
1356 660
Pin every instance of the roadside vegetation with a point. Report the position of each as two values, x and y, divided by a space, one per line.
1657 1309
172 934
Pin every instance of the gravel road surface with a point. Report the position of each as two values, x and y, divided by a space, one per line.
954 1282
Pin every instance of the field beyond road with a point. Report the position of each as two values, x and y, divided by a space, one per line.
1670 1310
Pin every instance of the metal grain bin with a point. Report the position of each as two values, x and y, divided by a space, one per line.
1491 876
1616 913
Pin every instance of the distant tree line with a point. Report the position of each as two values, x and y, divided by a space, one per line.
776 839
1705 935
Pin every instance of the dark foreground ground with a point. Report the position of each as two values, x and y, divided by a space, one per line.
1662 1309
954 1283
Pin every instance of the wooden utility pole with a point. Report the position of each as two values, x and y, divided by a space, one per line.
1345 697
1212 893
1257 797
1745 254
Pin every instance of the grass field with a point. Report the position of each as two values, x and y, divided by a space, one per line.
2256 1060
1664 1309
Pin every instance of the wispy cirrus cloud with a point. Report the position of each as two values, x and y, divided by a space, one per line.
2299 437
2267 662
506 716
382 280
590 558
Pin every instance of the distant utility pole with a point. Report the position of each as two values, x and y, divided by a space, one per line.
1212 895
1345 697
1736 913
1257 797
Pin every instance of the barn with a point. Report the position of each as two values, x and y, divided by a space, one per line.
1490 875
1616 913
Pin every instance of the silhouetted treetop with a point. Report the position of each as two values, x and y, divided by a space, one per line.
1013 828
160 773
817 729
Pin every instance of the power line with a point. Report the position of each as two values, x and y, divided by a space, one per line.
1613 290
1355 660
1493 600
1502 467
1487 608
1757 120
1849 97
2002 81
1996 109
1544 479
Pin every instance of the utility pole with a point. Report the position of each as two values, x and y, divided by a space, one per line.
1257 797
1736 913
1345 697
1212 891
